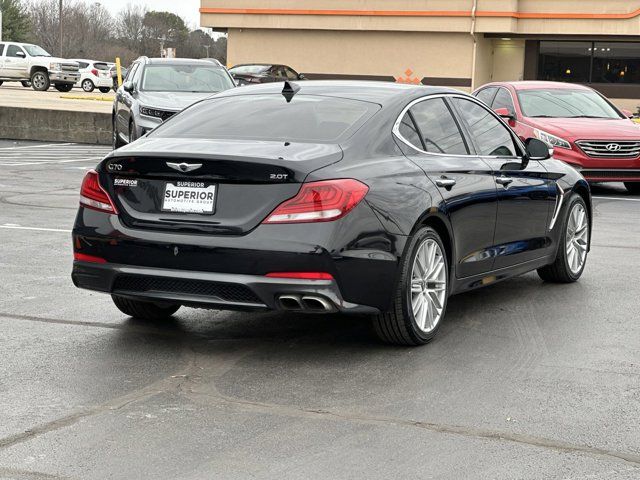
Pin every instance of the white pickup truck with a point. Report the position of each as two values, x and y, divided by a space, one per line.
24 62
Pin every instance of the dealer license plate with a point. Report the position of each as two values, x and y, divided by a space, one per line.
189 197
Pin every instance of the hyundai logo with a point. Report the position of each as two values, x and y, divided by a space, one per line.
613 147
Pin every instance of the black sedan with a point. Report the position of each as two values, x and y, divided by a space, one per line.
323 197
249 73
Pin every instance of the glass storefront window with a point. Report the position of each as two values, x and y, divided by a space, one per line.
565 61
616 62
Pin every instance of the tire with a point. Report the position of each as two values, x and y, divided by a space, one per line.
87 85
40 81
63 87
144 310
104 89
26 83
116 140
1 82
400 325
564 269
633 187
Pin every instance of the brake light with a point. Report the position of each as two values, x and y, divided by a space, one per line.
82 257
93 196
94 72
322 201
302 275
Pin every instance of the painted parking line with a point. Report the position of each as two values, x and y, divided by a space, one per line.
621 199
50 162
42 145
55 153
38 229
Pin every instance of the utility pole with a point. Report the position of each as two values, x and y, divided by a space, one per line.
60 19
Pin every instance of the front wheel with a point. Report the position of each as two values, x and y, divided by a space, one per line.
633 187
421 297
40 81
63 87
573 245
87 85
104 89
144 310
117 141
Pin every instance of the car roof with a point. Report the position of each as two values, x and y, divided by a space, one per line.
539 85
178 61
370 91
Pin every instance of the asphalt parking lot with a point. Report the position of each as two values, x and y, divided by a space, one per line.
524 381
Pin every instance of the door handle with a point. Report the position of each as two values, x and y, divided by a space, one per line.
445 182
504 181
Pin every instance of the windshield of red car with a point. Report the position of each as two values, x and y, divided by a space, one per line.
565 103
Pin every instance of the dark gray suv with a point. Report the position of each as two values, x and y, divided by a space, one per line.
157 88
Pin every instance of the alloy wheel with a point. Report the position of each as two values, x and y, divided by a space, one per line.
577 238
39 80
428 285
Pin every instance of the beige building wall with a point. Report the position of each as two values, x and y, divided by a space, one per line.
508 60
393 54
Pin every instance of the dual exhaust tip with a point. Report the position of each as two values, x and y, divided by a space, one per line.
306 303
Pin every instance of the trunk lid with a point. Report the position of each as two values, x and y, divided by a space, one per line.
247 179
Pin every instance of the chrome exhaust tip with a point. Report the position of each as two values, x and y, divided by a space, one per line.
317 304
290 302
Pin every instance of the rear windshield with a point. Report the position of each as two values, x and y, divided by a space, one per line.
101 66
307 118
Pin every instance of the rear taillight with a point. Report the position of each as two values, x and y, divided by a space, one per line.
322 201
94 72
93 196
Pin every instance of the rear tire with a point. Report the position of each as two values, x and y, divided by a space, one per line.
1 82
423 284
564 269
87 85
63 87
144 310
40 81
26 83
633 187
104 89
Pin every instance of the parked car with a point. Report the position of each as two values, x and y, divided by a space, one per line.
94 75
585 129
114 75
323 197
157 88
24 62
263 73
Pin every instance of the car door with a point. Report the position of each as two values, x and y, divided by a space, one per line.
526 194
465 182
124 100
16 63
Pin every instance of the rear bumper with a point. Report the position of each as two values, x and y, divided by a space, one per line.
361 257
212 290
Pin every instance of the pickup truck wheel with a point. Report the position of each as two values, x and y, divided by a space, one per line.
104 89
26 83
63 87
40 81
87 85
0 83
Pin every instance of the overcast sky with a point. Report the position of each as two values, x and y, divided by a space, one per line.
187 9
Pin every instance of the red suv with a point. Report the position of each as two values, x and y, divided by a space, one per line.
584 128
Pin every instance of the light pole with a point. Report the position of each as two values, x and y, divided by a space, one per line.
206 47
60 19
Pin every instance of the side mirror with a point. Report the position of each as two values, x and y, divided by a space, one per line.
128 87
508 116
21 54
537 149
301 76
627 113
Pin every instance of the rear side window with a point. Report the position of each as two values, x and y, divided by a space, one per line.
492 138
83 64
1 48
504 100
486 95
12 50
307 118
408 131
438 129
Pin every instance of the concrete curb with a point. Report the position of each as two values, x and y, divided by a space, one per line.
55 125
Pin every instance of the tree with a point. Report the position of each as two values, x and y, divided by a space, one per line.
163 29
129 26
15 21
